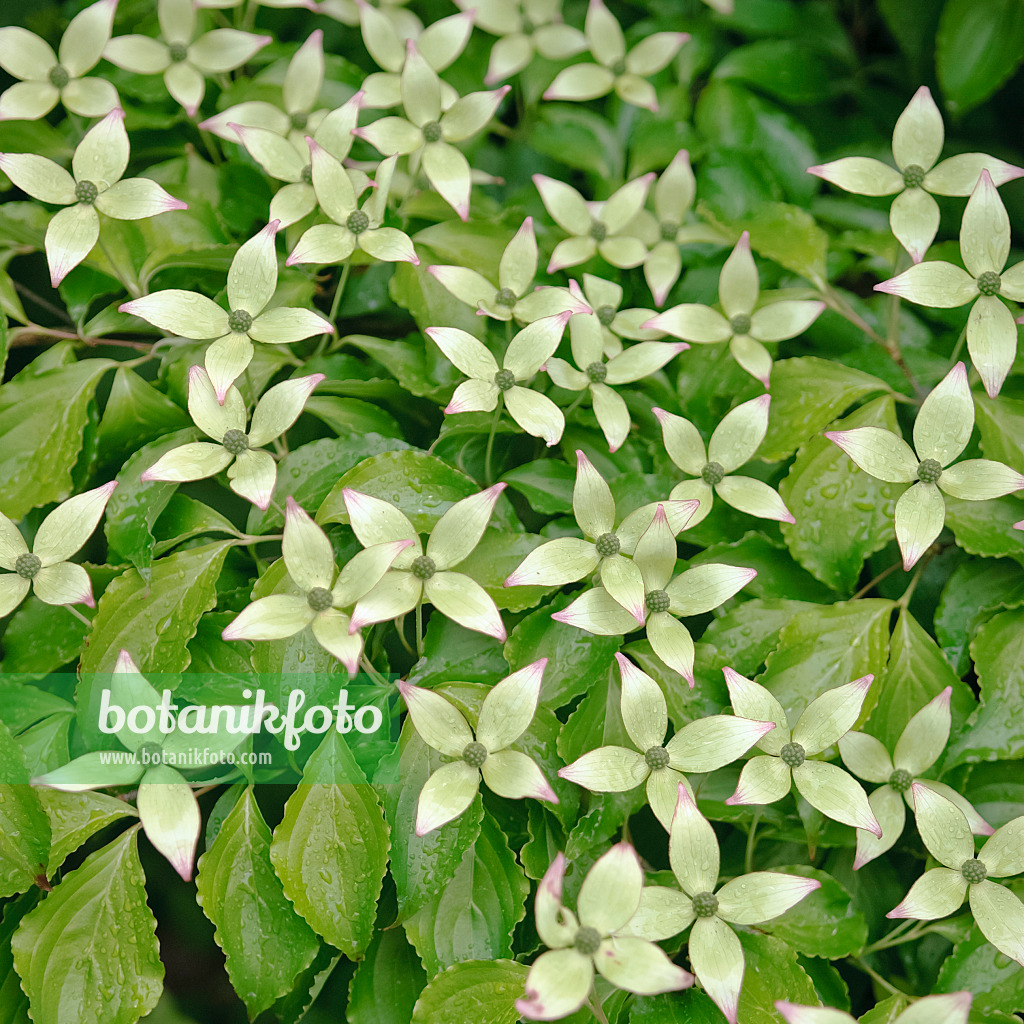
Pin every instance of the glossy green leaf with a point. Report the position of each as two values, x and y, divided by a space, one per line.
473 990
387 981
772 972
75 817
748 633
24 828
547 485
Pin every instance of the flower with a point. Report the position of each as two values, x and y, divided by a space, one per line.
604 298
700 746
252 473
940 891
595 228
405 23
505 715
941 431
769 776
324 594
353 227
427 131
525 27
742 326
616 69
46 569
252 281
984 246
561 979
46 78
512 297
183 60
733 442
490 384
941 1009
916 145
716 955
418 576
918 748
692 592
95 186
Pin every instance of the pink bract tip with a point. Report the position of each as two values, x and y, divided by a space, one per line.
818 170
272 228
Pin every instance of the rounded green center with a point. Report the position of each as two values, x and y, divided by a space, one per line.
607 544
505 297
505 380
712 473
26 566
86 192
235 441
474 754
432 131
619 67
299 119
705 904
150 753
598 232
587 941
307 174
177 52
656 757
596 373
320 599
989 283
239 320
669 230
59 76
973 871
913 176
605 315
740 324
929 471
423 567
793 755
901 780
527 27
657 601
357 222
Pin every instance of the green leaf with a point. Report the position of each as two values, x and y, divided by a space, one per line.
24 828
547 484
477 990
979 46
474 916
431 305
351 415
185 518
577 137
747 634
41 638
996 788
986 527
13 1001
1001 425
387 982
333 879
784 68
418 366
23 704
886 1011
75 817
451 651
266 944
136 413
494 559
88 951
976 966
772 972
691 1006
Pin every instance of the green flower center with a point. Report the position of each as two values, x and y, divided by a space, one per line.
740 324
432 131
929 471
989 283
27 565
527 27
657 601
59 76
913 176
705 904
307 174
598 232
793 755
596 373
150 753
474 754
177 52
901 780
320 599
973 871
357 222
587 941
605 315
423 567
86 192
239 320
712 473
668 231
505 297
235 441
299 119
505 380
656 757
607 544
619 67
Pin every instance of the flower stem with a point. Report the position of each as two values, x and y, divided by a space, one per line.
400 626
371 671
596 1009
878 979
958 347
748 857
878 579
78 615
339 291
419 628
488 475
129 281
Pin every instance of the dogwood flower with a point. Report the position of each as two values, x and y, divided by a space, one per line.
918 748
616 69
742 326
700 746
46 78
734 441
252 281
419 576
595 228
940 891
525 27
561 979
953 1008
941 431
223 5
95 186
514 296
984 246
45 570
252 473
490 383
183 60
505 715
604 298
716 955
325 594
427 131
768 777
693 592
404 22
916 146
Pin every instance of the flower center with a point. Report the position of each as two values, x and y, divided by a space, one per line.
605 315
913 176
26 566
505 380
307 174
239 321
793 755
705 904
432 131
740 324
607 544
299 119
320 599
423 567
619 67
929 471
59 76
177 52
357 222
474 754
150 753
989 283
527 27
587 941
973 871
657 601
86 192
235 441
668 230
596 373
505 297
901 780
656 757
712 473
598 232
